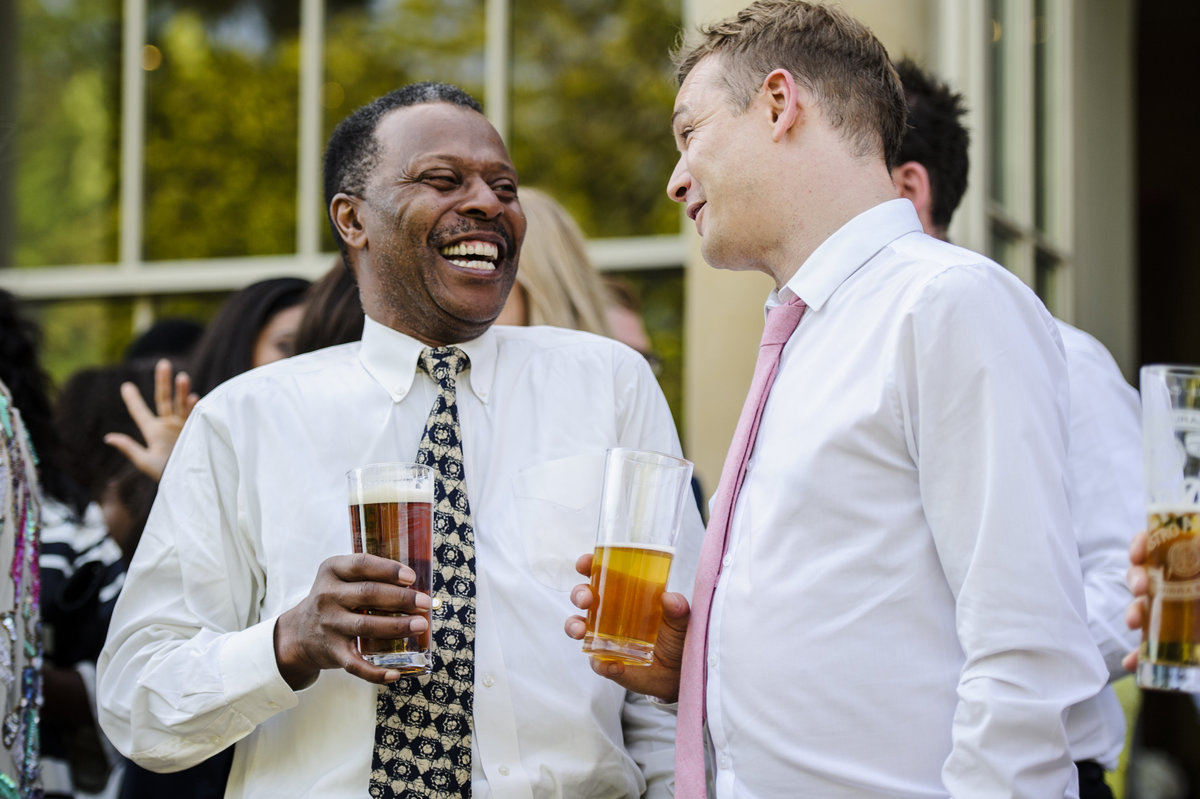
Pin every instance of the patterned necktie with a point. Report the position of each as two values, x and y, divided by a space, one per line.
689 729
423 724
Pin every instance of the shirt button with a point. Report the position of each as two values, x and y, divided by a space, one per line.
724 761
712 660
503 771
727 560
488 681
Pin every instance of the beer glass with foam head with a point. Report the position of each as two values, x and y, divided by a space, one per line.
1170 653
641 507
391 515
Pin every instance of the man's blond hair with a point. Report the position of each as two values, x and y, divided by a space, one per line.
831 54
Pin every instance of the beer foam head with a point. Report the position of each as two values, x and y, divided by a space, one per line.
372 493
1173 508
663 548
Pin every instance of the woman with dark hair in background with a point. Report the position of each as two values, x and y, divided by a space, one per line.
31 389
255 326
88 406
333 311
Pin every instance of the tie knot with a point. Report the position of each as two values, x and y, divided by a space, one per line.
782 321
443 364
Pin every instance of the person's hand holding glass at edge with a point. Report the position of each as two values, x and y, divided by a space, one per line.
1165 557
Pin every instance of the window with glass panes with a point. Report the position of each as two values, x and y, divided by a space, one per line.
168 152
1028 159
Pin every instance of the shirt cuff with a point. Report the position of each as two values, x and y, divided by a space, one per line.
251 675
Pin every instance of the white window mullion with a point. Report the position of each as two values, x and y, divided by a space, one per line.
133 150
964 35
312 66
133 134
1060 115
497 49
1018 132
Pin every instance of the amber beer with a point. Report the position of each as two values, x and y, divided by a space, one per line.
1171 633
641 505
395 522
628 581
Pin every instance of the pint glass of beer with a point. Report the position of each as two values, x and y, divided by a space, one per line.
391 515
1170 654
641 506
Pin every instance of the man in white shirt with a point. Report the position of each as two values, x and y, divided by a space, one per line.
899 609
1104 458
239 618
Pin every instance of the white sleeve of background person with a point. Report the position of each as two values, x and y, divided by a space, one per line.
1106 488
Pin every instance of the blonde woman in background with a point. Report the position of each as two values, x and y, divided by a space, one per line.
556 282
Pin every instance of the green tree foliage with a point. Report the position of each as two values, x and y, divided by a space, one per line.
67 145
592 97
221 132
371 50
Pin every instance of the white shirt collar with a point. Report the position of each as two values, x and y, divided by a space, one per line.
390 357
851 246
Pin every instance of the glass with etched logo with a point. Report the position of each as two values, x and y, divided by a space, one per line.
1170 653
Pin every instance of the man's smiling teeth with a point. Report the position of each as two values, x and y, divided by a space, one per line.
472 255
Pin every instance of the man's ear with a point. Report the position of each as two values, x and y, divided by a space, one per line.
344 211
783 100
912 182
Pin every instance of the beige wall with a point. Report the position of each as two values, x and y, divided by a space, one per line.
724 314
1105 275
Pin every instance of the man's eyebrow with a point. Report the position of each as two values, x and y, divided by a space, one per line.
680 111
458 160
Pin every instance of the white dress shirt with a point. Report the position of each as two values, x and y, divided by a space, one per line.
254 499
900 610
1104 468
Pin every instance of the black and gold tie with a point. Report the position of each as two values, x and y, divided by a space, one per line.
423 723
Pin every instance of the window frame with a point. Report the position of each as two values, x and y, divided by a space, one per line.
965 36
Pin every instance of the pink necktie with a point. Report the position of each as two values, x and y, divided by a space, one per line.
689 730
